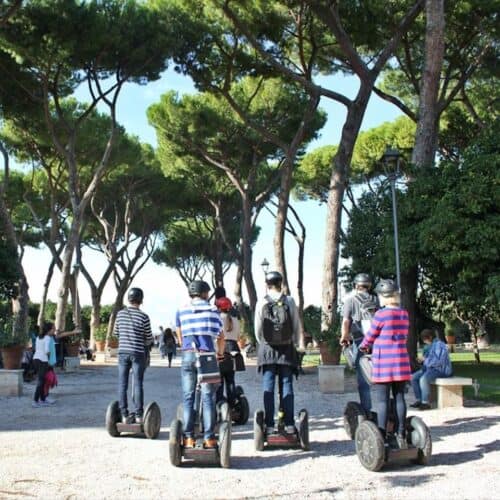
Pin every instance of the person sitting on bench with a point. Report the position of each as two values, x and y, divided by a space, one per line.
437 364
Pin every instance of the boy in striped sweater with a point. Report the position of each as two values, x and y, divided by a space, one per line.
133 329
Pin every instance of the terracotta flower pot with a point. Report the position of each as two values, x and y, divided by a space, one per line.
11 357
73 350
326 357
113 343
100 345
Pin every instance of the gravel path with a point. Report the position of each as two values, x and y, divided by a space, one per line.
64 452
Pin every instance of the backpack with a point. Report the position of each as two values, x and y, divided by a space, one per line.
367 307
277 322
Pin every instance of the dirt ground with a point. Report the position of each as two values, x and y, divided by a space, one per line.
64 451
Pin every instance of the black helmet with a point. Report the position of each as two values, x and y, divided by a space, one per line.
387 288
135 295
363 279
274 278
197 287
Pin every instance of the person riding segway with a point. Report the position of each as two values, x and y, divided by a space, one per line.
198 326
386 433
277 330
133 329
232 362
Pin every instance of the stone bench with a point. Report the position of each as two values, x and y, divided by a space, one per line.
71 363
448 392
11 382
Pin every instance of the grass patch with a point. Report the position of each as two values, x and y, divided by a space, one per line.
487 373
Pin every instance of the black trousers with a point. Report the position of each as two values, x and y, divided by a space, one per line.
380 404
41 368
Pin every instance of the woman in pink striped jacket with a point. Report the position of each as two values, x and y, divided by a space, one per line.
390 361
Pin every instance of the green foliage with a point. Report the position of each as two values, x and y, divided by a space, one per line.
8 335
312 326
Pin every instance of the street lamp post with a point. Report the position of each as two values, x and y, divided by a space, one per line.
391 159
265 266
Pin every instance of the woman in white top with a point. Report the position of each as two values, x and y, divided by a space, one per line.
41 361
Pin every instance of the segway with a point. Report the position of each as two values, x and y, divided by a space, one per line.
221 454
373 452
281 439
240 409
151 420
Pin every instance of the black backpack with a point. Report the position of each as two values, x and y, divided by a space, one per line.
277 322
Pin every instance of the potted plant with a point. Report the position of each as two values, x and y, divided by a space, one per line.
100 337
12 344
328 341
113 342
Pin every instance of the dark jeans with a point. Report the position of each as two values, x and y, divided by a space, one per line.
138 364
169 356
381 396
363 386
189 376
285 378
227 378
41 368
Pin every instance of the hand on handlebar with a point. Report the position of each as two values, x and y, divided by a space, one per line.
365 350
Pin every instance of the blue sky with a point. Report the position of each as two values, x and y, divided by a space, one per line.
164 291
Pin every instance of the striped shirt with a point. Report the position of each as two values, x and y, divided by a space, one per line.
133 329
201 320
388 333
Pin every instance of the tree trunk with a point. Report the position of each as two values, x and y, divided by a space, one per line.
95 318
338 181
247 251
426 135
46 285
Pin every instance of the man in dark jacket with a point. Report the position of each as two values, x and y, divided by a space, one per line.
277 359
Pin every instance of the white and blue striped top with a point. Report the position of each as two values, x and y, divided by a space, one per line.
133 329
200 319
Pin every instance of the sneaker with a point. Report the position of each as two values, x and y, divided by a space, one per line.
210 443
270 430
36 404
401 441
290 429
189 442
424 406
416 404
127 419
44 403
50 401
138 419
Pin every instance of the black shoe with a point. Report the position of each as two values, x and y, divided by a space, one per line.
416 404
127 419
424 406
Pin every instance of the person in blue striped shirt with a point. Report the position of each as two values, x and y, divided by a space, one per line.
198 327
133 329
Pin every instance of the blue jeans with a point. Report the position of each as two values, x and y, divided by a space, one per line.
189 375
421 383
363 386
138 364
285 378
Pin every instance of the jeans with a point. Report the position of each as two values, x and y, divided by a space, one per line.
381 395
189 375
421 383
41 368
363 386
285 379
228 379
138 364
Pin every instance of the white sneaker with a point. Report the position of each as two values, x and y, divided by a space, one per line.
35 404
290 429
270 430
44 403
50 401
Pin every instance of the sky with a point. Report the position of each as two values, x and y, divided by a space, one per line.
163 289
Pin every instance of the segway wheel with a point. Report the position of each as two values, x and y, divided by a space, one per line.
304 429
223 412
152 420
369 446
241 411
225 444
258 430
175 443
238 391
353 415
113 416
420 437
